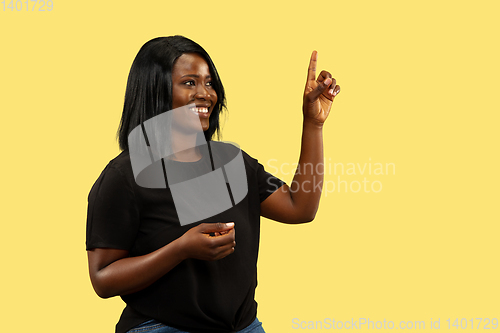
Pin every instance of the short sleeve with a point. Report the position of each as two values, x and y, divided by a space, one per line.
267 183
113 214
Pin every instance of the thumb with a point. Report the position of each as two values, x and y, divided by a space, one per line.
216 227
313 95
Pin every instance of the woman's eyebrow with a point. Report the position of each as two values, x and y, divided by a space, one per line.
196 76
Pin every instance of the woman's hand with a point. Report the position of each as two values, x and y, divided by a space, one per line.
208 241
318 93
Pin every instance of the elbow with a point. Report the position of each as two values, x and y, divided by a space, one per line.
306 213
305 217
101 289
102 292
309 218
309 214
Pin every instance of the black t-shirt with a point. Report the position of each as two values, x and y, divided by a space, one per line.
196 296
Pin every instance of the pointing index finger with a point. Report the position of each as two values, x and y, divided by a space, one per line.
311 72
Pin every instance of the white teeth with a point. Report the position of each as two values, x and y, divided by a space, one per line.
202 110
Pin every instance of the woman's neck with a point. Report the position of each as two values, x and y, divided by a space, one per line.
185 148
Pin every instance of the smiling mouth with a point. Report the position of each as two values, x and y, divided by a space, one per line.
201 110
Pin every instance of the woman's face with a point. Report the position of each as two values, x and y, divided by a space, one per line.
192 83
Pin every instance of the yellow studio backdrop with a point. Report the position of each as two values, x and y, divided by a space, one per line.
408 226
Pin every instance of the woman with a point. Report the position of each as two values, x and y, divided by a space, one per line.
197 277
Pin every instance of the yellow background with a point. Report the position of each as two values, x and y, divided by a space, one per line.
419 89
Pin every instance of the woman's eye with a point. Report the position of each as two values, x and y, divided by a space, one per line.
192 83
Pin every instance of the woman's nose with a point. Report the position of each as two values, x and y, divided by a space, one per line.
202 92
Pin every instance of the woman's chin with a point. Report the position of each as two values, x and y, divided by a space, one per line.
205 126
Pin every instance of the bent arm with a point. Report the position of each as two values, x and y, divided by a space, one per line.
299 202
113 272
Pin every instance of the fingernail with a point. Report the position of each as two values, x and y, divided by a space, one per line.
230 224
335 93
327 82
331 92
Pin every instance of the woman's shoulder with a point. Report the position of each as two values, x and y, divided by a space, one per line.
116 174
120 165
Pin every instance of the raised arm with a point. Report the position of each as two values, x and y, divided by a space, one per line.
299 202
114 273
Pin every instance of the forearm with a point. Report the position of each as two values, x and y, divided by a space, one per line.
305 189
114 273
299 202
128 275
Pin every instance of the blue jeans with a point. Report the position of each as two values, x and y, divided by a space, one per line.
153 326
